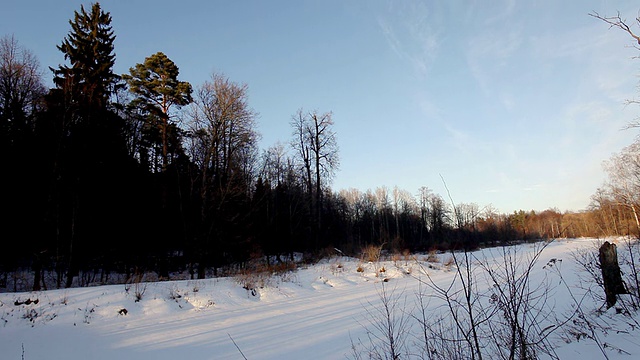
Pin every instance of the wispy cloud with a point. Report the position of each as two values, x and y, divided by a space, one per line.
501 11
489 54
492 38
533 187
589 112
600 52
508 100
411 30
459 139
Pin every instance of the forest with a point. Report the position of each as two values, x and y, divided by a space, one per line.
141 172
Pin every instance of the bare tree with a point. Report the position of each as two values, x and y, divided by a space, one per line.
618 22
438 213
511 319
526 314
223 126
602 205
316 145
300 144
21 92
223 144
274 164
389 323
404 204
21 86
624 179
353 199
468 215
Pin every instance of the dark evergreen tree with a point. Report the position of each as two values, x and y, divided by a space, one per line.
90 80
91 171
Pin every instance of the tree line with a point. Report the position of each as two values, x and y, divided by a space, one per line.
121 174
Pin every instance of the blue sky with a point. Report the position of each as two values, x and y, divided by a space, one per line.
515 104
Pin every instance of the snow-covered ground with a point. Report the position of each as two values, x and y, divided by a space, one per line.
316 312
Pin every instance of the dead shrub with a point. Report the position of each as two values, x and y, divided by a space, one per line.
371 253
449 261
432 257
407 255
259 274
139 287
251 280
337 268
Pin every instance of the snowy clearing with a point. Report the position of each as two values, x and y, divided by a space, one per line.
317 312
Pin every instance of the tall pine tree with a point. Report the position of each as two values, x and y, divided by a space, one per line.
157 92
92 171
90 79
157 89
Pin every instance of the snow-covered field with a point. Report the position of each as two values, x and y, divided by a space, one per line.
317 312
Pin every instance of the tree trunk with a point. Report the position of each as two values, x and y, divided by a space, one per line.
635 216
611 275
37 272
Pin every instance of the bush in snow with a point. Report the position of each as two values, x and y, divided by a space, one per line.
511 319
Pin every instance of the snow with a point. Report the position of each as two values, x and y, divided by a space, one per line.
316 312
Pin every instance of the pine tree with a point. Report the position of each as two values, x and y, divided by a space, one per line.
91 169
157 88
89 48
157 92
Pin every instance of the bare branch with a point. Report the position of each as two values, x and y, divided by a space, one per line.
618 22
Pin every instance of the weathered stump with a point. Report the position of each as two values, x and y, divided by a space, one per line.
611 275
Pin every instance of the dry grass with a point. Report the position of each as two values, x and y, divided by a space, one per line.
259 274
251 280
432 257
448 262
371 253
337 268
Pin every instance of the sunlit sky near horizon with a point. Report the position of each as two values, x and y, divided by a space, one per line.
513 104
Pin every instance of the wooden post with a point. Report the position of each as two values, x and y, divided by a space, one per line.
611 275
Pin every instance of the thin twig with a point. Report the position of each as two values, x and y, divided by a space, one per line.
237 347
455 211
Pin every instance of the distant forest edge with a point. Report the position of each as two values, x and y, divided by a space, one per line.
127 174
